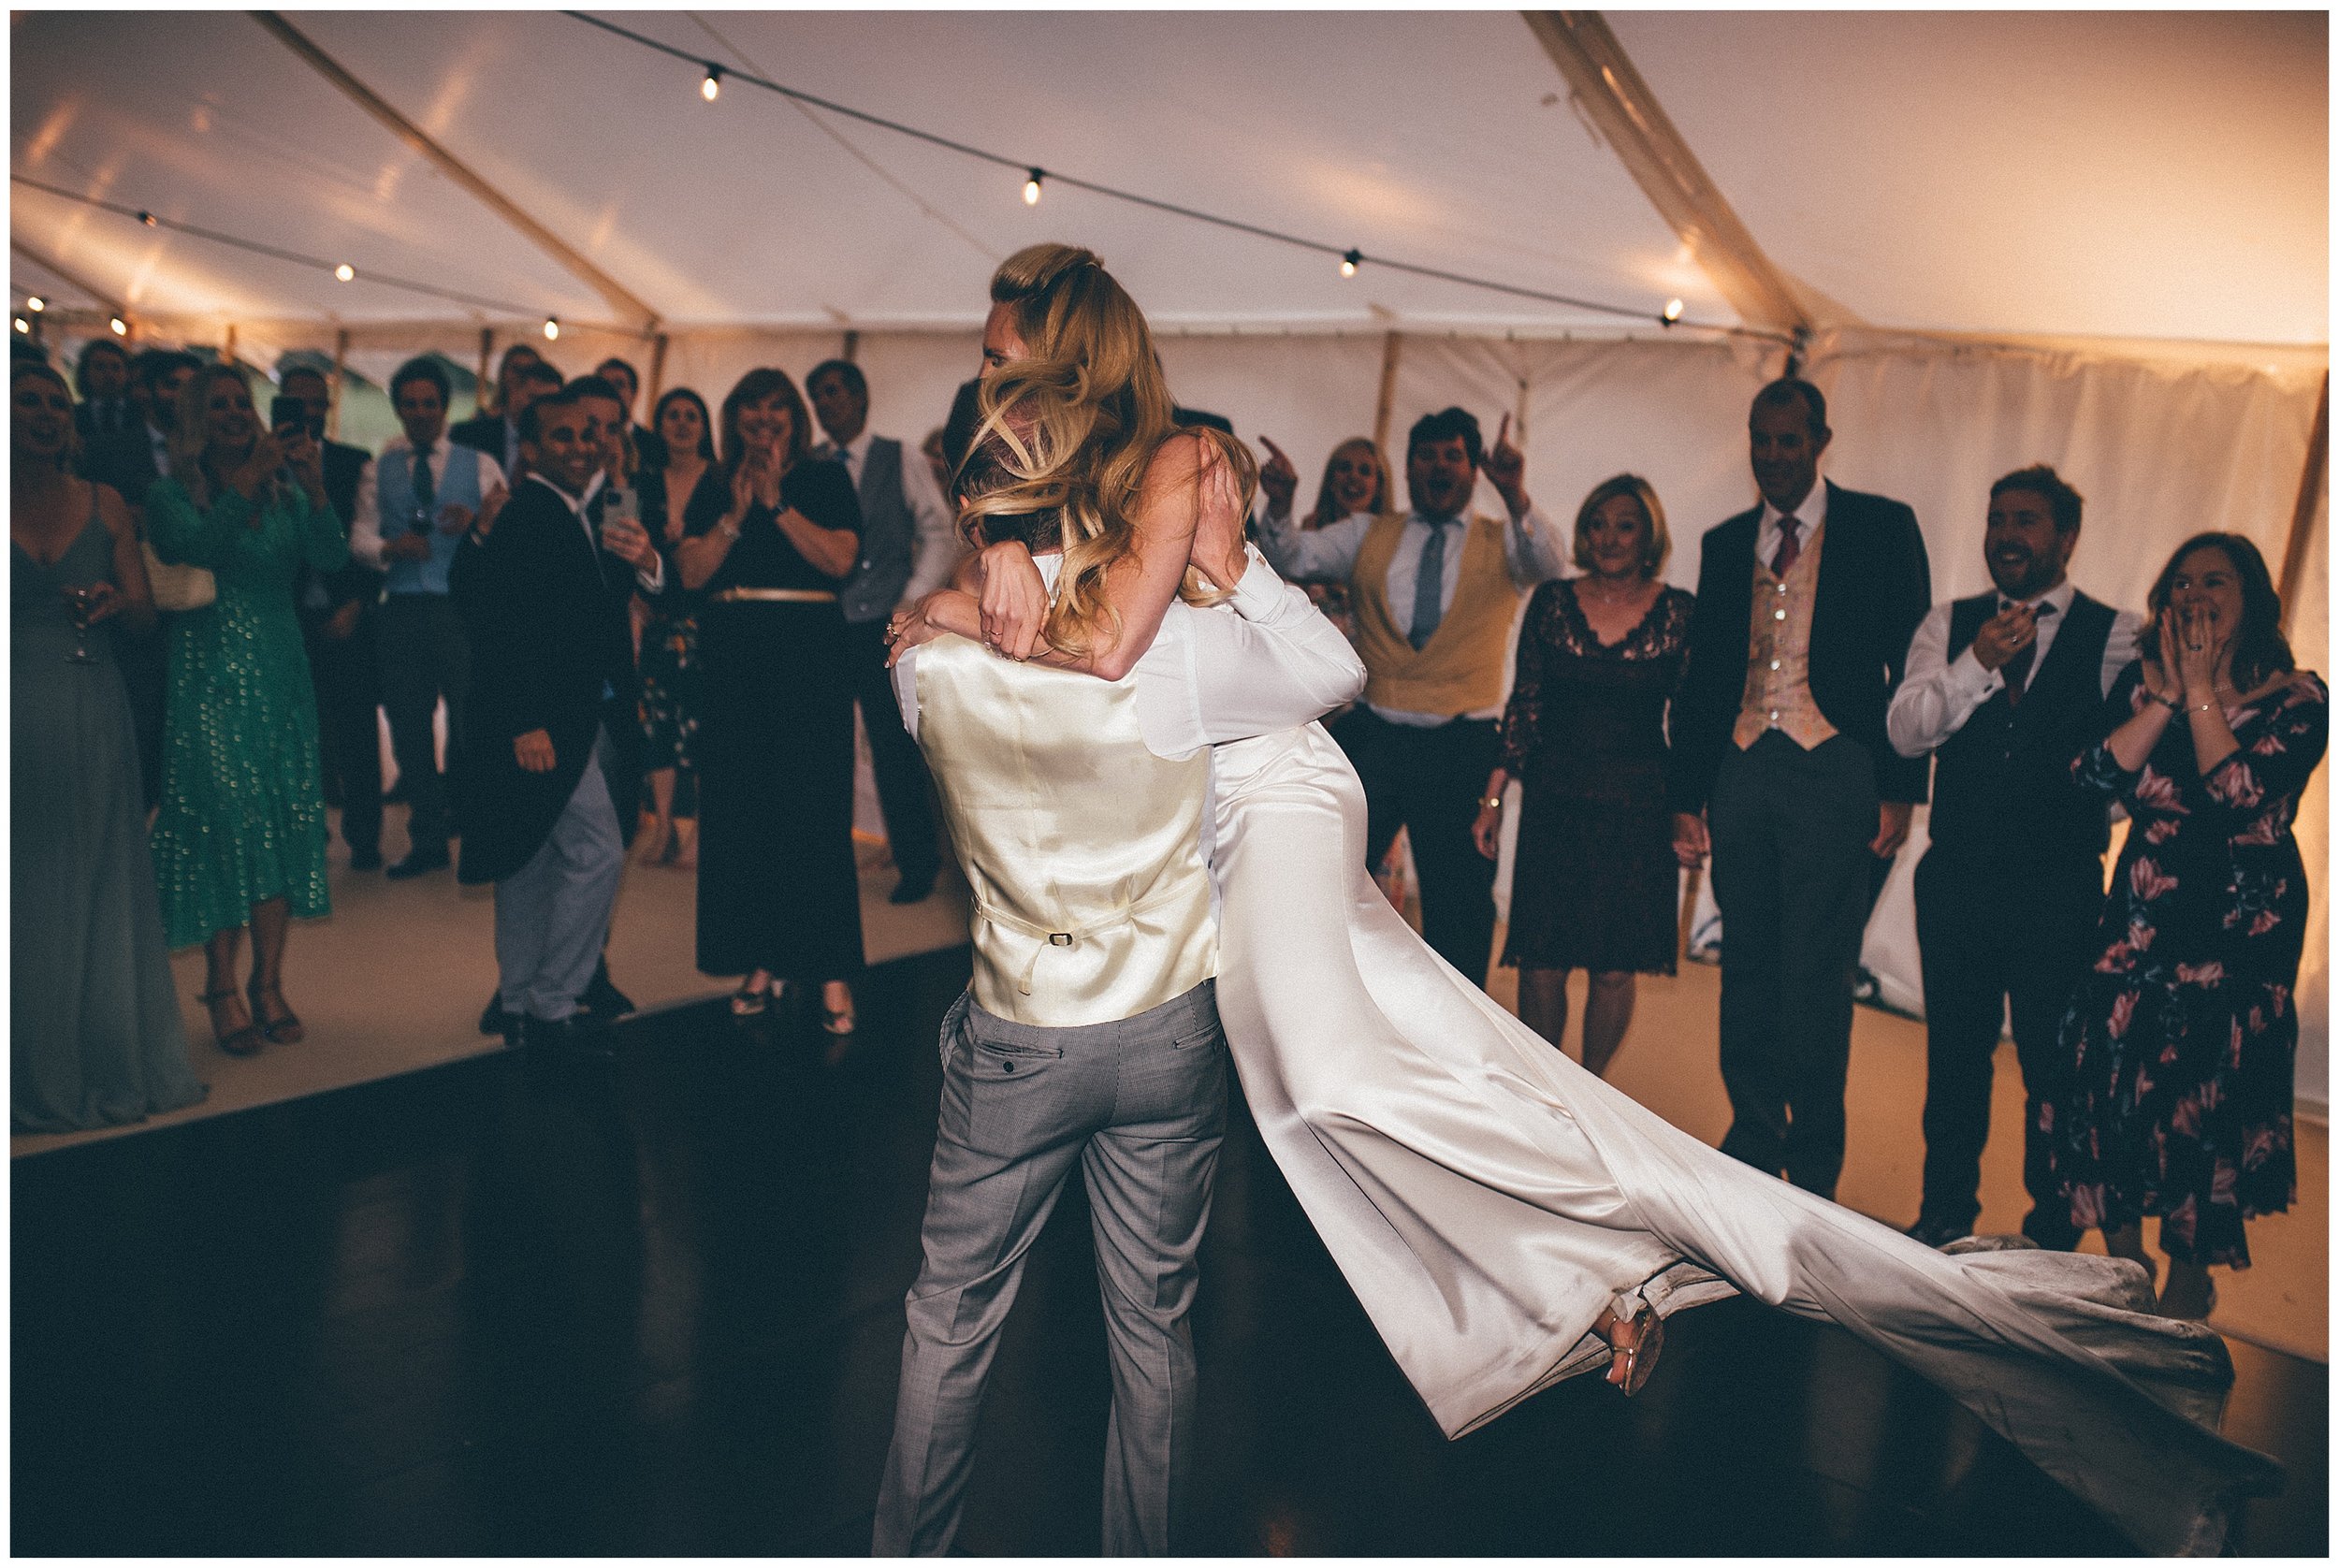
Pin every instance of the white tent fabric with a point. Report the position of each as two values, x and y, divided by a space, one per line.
2153 190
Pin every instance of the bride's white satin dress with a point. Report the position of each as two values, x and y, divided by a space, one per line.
1486 1196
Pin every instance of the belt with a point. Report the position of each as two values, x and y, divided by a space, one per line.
774 596
1125 915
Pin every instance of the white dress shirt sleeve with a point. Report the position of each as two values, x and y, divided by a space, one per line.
1265 660
1324 555
1938 694
935 549
366 527
1532 550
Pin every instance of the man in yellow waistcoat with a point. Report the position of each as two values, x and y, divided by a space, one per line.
1435 592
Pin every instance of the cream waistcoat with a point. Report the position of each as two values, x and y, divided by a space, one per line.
1778 695
1083 849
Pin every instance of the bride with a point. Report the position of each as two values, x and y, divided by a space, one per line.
1507 1219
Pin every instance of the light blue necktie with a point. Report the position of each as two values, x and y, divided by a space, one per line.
1428 588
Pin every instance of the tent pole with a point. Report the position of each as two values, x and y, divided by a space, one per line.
642 319
340 364
227 344
1601 77
2294 549
486 353
656 367
851 350
1387 395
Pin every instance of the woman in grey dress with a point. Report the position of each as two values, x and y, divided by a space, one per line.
96 1036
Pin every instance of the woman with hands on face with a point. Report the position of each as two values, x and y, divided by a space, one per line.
779 895
2180 1041
240 837
95 1038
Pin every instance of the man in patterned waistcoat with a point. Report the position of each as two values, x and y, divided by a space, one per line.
2002 690
1782 767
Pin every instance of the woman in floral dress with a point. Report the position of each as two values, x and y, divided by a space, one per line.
2180 1041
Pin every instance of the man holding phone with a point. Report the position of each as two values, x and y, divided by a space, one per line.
426 492
336 609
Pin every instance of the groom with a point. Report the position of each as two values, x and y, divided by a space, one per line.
1079 811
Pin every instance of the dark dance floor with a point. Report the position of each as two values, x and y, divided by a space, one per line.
657 1310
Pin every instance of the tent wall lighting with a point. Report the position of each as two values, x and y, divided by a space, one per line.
1349 263
345 272
121 328
36 304
712 88
1031 187
552 329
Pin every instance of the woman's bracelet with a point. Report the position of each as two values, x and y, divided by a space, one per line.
2201 707
2175 704
729 530
1490 802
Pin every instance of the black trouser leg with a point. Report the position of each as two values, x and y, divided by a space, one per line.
424 657
1745 873
1448 768
1965 1003
1369 741
348 684
2046 971
905 790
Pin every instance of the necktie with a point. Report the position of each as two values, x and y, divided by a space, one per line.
425 492
1428 588
2017 671
1790 547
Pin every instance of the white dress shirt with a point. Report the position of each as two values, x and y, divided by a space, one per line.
1328 554
1809 516
650 576
1938 694
365 529
935 550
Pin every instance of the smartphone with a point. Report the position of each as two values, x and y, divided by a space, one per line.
292 414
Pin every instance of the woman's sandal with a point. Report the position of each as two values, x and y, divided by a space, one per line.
745 1002
1631 1365
235 1042
837 1021
286 1030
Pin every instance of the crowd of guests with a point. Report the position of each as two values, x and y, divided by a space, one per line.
685 615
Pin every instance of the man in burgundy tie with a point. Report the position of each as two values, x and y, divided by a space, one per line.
1781 768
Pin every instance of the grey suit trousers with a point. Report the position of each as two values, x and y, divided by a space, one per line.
1141 1105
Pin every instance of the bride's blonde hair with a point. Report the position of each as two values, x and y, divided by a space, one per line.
1070 429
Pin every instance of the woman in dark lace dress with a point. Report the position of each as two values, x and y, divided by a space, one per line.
1595 885
2180 1041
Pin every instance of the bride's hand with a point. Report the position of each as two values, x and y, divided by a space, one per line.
1014 600
1217 553
943 611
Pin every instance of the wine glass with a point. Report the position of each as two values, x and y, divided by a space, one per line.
80 600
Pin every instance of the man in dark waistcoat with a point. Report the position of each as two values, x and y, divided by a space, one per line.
337 622
2004 690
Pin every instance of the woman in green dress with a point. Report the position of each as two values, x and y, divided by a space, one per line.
240 837
94 1037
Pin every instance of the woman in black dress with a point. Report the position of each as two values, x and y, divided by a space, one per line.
683 492
2182 1035
1595 885
777 897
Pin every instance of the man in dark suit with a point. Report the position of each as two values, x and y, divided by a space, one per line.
102 377
520 380
337 619
550 768
1782 767
130 460
908 549
2003 690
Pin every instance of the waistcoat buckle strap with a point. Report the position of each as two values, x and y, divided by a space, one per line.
997 916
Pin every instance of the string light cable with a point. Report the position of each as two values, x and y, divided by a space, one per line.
341 270
1348 257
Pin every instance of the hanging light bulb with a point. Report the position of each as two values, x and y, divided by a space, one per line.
1673 312
147 219
36 304
552 329
712 88
1349 263
345 272
121 328
1031 187
23 325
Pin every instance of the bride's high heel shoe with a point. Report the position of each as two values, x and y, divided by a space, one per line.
1631 1363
